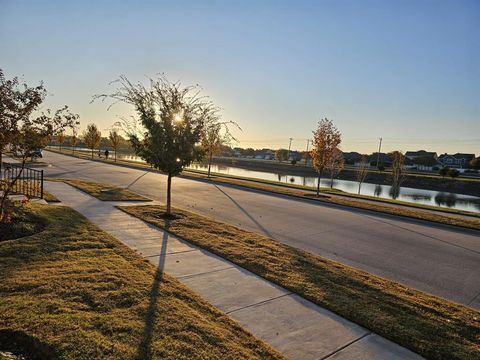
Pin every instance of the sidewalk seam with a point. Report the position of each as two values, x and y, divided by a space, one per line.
259 303
345 346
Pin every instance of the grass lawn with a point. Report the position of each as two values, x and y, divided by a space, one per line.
103 192
428 325
71 291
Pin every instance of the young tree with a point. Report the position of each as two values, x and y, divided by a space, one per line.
74 139
326 140
398 160
444 171
453 173
475 163
281 154
61 139
335 165
92 137
362 172
23 131
173 118
115 139
17 103
212 137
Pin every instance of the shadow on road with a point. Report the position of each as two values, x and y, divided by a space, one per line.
260 226
145 348
134 181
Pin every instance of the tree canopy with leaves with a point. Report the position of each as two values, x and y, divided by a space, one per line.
172 119
22 129
326 140
92 137
115 139
215 134
335 165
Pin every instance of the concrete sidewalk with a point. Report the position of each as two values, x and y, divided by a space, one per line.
294 326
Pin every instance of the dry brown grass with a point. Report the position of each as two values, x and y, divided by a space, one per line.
103 192
77 293
428 325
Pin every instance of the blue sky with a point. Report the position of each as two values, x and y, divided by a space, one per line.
407 71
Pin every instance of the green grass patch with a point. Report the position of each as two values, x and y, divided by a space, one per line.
77 293
428 325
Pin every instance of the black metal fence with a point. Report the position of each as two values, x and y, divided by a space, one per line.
26 181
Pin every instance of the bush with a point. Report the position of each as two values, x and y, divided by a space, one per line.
381 167
444 171
453 173
19 223
293 162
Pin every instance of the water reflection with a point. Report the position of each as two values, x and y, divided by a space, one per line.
444 199
447 199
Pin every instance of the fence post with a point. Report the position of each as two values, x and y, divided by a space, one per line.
41 184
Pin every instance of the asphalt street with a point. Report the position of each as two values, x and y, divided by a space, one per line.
437 259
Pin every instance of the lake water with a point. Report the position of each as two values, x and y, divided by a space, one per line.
419 196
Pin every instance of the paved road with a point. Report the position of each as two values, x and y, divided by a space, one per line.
441 260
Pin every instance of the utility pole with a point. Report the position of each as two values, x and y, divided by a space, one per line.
306 155
289 146
378 155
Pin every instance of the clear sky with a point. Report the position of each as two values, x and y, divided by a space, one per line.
407 71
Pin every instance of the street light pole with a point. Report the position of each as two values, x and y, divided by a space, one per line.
378 155
289 146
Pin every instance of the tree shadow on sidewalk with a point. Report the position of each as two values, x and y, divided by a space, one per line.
144 351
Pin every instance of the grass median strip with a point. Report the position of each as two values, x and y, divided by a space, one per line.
71 291
428 325
103 192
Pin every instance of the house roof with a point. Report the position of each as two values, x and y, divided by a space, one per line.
384 158
352 155
458 156
422 153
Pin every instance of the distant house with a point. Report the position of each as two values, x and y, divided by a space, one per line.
265 154
426 163
352 157
457 160
420 154
382 158
295 155
423 160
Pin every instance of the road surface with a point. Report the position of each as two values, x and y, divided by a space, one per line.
441 260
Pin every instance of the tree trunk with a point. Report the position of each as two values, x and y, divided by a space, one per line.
359 187
209 164
92 153
318 183
115 154
169 195
331 180
1 155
